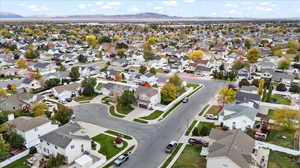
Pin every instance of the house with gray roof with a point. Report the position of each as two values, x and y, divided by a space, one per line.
147 97
236 116
69 140
230 149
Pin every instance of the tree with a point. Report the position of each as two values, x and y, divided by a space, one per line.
63 114
204 131
277 52
15 140
61 68
269 94
74 74
126 99
22 63
152 40
293 44
116 37
284 64
3 92
31 54
281 87
248 43
88 85
227 95
3 149
289 119
118 77
196 54
92 41
152 70
50 83
237 65
244 82
40 109
255 82
56 161
168 93
261 86
81 58
143 69
253 55
177 82
294 88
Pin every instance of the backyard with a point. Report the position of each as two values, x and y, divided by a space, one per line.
107 145
281 137
281 160
190 158
280 100
21 163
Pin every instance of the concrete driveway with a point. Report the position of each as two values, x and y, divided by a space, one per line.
152 139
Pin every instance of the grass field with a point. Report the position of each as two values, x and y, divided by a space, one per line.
190 158
153 116
281 160
21 163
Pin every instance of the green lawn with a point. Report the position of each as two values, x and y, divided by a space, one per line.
100 86
190 158
84 98
171 109
203 110
214 109
170 158
112 162
280 100
140 121
124 110
113 112
194 85
210 126
281 160
107 145
153 115
21 163
118 134
191 127
278 131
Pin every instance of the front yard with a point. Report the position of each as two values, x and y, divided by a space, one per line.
190 158
123 109
21 163
200 125
214 109
281 160
280 100
84 98
153 116
276 137
108 147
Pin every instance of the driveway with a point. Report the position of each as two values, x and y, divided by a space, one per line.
152 139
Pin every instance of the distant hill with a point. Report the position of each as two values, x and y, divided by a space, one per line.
9 15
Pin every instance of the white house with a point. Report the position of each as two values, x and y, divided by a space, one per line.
66 91
147 97
236 116
69 140
30 83
32 128
149 78
229 149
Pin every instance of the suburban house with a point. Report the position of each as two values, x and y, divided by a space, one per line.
114 90
148 78
19 101
147 97
229 149
69 140
44 68
65 92
249 98
235 116
30 83
31 128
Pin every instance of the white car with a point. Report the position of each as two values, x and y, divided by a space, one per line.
211 117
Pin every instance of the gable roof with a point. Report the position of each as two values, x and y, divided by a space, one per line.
234 144
245 96
25 123
64 135
147 91
69 87
239 110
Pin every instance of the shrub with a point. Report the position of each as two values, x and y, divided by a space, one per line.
295 88
281 87
15 140
204 131
244 82
195 132
32 150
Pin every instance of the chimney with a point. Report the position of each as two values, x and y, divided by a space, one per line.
10 117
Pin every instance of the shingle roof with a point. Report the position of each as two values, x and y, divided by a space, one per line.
239 110
234 144
244 96
27 123
69 87
64 135
147 91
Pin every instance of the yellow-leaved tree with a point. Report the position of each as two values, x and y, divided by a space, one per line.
92 41
288 118
261 86
227 95
3 92
39 109
22 63
196 54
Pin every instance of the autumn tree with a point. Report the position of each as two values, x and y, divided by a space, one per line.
74 74
152 40
152 70
63 114
143 69
116 37
3 92
227 95
287 118
196 54
40 109
92 41
284 64
261 86
253 55
31 53
22 63
168 93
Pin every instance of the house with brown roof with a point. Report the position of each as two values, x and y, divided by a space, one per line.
229 149
147 97
65 92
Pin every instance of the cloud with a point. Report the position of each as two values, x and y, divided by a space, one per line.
99 3
110 5
83 6
170 3
133 9
188 1
298 10
231 5
37 8
158 8
264 9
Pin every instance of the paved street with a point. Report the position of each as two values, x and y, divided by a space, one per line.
152 139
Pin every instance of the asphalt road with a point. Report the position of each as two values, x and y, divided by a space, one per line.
152 139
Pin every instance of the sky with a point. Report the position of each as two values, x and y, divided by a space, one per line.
185 8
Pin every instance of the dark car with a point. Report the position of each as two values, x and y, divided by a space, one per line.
171 146
121 159
201 142
185 100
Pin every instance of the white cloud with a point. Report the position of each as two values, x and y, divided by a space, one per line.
213 14
188 1
37 8
99 3
133 9
231 5
82 6
232 11
264 9
110 5
158 8
298 10
170 3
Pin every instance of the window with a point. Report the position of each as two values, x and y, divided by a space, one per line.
55 147
72 147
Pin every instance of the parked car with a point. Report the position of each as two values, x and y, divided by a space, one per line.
185 100
201 142
211 117
121 159
171 146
